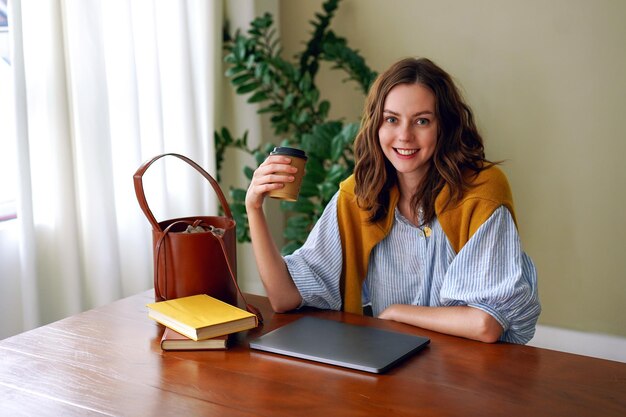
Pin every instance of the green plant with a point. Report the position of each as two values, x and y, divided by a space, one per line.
287 92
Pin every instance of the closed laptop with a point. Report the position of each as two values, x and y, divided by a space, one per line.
342 344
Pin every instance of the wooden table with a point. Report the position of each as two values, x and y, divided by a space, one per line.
107 361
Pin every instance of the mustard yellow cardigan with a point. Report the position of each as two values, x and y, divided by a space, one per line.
490 190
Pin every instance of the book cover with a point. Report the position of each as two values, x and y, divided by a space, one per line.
201 316
173 340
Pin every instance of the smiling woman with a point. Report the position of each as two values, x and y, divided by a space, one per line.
422 233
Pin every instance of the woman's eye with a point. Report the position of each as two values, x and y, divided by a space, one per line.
390 119
422 122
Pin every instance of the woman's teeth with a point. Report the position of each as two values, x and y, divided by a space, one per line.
406 152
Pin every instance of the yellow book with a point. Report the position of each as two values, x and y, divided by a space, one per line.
201 317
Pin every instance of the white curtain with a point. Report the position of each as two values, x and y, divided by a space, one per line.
100 87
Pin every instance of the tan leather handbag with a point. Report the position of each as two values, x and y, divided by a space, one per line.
193 255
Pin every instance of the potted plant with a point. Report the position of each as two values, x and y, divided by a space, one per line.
287 92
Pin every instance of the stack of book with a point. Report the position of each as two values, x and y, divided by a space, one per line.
199 322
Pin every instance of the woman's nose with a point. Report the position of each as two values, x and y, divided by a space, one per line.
405 133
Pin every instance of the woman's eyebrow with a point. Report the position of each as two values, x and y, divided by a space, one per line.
419 113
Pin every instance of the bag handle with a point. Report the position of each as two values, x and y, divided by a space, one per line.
141 196
217 234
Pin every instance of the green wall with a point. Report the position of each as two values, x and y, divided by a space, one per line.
547 82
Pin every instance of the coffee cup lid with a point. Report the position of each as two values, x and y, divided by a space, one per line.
284 150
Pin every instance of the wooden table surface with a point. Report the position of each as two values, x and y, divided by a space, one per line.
107 361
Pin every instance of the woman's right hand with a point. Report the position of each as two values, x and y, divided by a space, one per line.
271 175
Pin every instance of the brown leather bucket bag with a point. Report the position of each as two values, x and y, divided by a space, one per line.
193 255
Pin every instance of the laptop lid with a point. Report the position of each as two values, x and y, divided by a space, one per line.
342 344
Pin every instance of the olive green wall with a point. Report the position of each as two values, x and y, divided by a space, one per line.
547 82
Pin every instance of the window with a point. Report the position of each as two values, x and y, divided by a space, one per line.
8 165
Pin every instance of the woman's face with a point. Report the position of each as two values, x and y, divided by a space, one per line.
408 133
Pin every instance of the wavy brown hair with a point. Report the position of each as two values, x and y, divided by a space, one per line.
459 147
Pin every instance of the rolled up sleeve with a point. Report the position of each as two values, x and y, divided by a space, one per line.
316 267
492 273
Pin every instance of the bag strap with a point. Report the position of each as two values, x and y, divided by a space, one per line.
157 249
141 196
249 307
217 234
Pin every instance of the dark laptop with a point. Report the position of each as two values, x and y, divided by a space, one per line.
336 343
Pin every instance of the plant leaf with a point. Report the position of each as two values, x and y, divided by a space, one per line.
290 248
246 88
228 139
323 109
234 70
240 79
308 188
299 221
238 194
301 206
257 97
259 157
314 170
336 173
288 101
291 233
327 190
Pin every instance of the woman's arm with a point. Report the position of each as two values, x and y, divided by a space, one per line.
489 291
463 321
281 291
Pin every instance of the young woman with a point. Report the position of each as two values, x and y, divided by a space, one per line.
424 231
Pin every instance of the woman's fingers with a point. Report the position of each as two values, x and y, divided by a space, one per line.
262 176
274 169
271 175
275 164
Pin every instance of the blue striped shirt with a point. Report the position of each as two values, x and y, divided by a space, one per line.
491 272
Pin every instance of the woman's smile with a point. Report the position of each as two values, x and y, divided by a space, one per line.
406 152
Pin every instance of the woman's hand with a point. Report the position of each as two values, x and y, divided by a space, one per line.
271 175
